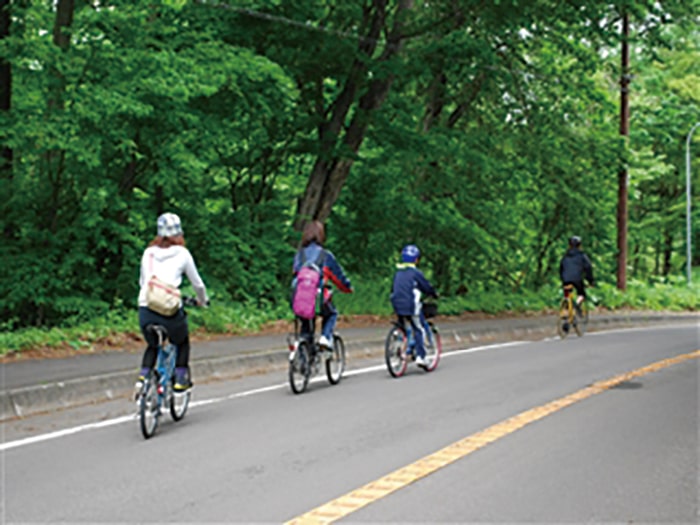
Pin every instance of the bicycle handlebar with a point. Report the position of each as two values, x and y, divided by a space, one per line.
188 300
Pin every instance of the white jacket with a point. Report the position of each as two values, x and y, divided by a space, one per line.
169 265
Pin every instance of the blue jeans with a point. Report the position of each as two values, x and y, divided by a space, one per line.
420 330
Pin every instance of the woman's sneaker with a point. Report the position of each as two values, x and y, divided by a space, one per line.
182 380
140 380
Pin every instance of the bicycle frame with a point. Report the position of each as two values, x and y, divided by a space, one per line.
570 295
428 327
306 358
165 368
571 314
399 347
294 341
157 393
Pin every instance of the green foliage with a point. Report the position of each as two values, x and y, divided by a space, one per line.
77 335
371 296
495 141
220 318
652 295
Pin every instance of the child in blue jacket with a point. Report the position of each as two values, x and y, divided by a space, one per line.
406 291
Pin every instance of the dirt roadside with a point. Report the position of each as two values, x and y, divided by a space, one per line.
132 342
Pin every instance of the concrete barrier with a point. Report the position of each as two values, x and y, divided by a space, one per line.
22 402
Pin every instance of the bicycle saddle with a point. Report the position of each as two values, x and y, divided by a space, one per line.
160 331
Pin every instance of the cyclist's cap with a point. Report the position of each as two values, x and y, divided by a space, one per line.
169 225
410 253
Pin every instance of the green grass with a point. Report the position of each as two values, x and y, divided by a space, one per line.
652 295
371 298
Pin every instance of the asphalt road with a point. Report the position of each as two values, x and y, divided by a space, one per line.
250 451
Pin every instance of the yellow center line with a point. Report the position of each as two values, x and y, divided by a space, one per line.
382 487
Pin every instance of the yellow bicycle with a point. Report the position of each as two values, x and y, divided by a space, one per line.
571 314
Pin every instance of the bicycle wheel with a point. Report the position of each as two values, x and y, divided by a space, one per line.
148 408
563 325
179 402
395 351
335 363
299 370
433 349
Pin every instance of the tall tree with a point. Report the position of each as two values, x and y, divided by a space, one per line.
5 98
340 143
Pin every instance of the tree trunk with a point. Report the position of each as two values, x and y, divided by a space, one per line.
331 168
667 252
338 174
6 167
61 38
5 86
55 159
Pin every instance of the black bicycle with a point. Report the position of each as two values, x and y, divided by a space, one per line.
157 395
306 357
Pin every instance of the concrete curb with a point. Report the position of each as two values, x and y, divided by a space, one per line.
22 402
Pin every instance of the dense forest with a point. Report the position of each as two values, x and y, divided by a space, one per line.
485 132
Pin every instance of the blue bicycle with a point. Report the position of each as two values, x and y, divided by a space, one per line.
157 394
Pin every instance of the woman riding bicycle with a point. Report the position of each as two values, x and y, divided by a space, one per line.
409 284
312 239
167 258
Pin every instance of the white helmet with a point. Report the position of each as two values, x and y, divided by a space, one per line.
169 225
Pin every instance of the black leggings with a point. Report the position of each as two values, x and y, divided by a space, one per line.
578 285
178 333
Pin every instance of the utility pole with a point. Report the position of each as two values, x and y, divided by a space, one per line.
622 174
688 193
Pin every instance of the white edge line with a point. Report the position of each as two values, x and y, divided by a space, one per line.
66 432
123 419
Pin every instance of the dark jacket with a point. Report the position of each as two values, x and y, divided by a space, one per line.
409 283
574 266
332 271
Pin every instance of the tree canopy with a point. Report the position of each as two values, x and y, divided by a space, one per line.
485 132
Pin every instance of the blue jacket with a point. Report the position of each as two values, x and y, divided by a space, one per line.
409 284
332 271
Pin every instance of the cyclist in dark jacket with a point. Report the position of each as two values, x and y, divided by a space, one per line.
409 284
574 267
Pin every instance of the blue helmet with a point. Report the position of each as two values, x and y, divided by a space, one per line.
410 253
